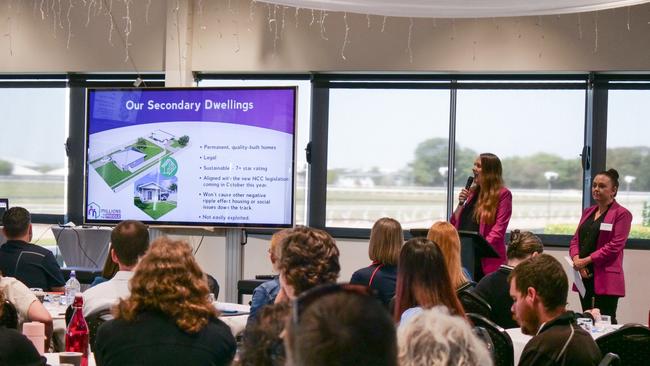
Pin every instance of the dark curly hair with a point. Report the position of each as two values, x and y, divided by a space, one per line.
262 343
309 257
169 280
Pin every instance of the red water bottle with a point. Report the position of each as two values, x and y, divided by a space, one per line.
76 336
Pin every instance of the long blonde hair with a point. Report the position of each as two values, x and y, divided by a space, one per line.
491 184
169 280
445 235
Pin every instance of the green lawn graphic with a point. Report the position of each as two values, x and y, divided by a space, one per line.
150 150
112 174
162 207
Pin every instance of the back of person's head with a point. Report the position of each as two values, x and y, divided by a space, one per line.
262 343
523 244
169 280
309 257
446 236
423 279
546 275
435 338
386 239
275 248
340 328
130 240
16 221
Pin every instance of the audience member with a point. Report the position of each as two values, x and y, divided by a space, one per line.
494 288
445 235
15 348
168 319
27 306
435 338
308 258
265 293
262 344
386 240
539 289
340 325
129 242
109 270
31 264
423 280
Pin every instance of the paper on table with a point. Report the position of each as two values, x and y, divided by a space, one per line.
577 279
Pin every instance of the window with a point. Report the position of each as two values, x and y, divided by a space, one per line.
538 135
302 137
33 165
628 151
387 156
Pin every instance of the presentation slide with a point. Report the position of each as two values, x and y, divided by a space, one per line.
197 156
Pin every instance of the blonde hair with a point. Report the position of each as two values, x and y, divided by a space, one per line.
491 184
386 240
445 235
435 338
169 280
275 249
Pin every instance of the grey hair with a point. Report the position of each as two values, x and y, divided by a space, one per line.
434 337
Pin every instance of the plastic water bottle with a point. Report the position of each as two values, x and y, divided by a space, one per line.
72 287
76 335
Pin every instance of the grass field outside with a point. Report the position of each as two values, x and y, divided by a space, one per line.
162 207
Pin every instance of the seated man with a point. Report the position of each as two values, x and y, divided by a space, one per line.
340 325
27 306
539 289
31 264
129 242
494 288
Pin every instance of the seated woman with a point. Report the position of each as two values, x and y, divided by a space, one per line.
15 348
386 240
265 293
423 281
262 343
445 235
435 338
168 319
109 270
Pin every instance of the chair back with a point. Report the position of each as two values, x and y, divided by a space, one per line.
631 343
473 303
503 350
94 321
610 359
9 317
467 286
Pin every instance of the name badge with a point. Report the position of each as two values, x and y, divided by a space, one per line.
606 227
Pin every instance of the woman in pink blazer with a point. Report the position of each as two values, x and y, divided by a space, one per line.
486 208
597 246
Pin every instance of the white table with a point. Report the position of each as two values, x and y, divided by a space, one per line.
519 339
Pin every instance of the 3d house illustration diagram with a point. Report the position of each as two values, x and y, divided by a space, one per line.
155 194
124 163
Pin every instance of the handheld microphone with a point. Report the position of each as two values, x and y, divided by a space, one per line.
468 185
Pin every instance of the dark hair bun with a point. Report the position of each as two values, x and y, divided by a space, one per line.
515 237
613 173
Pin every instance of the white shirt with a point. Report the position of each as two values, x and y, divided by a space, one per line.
106 294
19 295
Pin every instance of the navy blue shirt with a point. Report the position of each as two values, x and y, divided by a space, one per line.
384 281
31 264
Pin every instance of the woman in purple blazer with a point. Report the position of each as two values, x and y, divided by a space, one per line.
597 246
486 208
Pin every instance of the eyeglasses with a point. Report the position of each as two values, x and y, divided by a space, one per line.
308 297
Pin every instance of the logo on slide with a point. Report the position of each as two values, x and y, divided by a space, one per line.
93 210
168 167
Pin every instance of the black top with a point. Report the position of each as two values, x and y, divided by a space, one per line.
31 264
494 289
17 350
547 348
588 236
383 282
467 221
154 339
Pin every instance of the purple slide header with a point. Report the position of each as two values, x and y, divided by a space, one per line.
271 108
